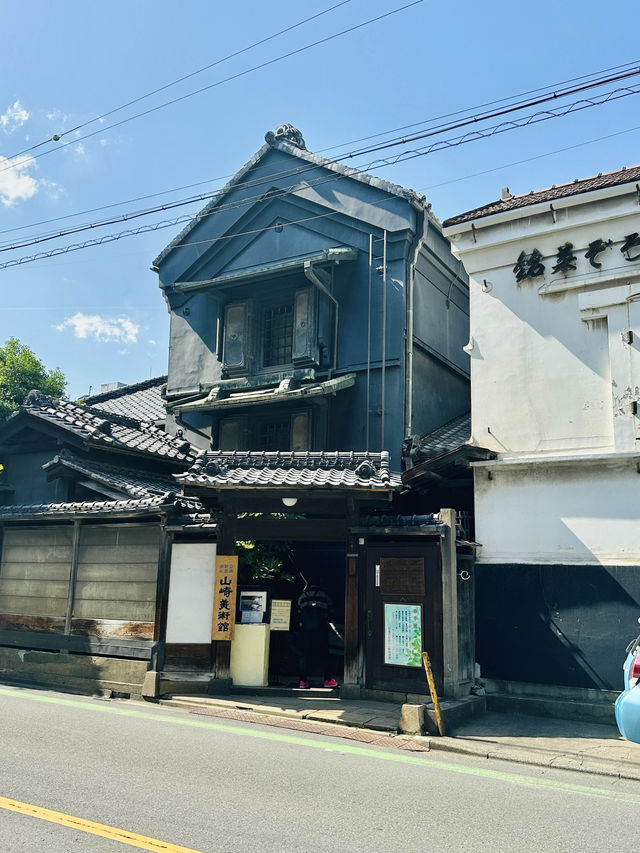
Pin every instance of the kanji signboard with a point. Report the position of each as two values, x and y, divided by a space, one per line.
224 598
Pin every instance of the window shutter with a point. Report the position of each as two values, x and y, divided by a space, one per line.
301 431
232 433
306 352
235 352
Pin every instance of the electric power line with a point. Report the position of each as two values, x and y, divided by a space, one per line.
228 79
558 90
439 145
296 171
166 86
422 189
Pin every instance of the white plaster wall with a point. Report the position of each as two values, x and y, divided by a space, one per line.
190 607
549 369
571 514
552 377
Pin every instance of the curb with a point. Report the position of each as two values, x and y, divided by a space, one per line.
388 736
538 758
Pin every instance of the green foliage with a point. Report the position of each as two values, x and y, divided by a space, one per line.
414 656
20 371
263 561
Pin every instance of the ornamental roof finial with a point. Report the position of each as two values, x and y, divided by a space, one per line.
286 133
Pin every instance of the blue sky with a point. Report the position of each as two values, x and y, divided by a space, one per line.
98 313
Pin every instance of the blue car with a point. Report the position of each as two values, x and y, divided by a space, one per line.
628 702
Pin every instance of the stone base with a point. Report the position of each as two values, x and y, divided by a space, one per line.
85 674
420 719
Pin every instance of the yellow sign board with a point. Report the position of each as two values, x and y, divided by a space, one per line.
224 598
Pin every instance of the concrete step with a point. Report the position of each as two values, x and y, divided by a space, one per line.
184 682
546 706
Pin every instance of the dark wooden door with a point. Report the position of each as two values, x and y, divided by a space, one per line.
403 617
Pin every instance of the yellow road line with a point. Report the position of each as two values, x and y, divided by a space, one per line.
78 823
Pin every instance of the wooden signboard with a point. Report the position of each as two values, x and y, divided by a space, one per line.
224 598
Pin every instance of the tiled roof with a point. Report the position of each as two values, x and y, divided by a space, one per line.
446 438
142 401
168 502
136 506
306 470
625 175
137 484
104 430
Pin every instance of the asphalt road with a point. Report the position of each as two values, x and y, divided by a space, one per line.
210 785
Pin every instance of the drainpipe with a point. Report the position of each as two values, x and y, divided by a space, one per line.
311 274
408 379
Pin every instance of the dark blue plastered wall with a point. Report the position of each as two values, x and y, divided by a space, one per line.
556 624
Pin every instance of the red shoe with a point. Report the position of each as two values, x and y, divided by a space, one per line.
331 682
304 685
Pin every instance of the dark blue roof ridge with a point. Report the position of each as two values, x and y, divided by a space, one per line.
286 145
125 391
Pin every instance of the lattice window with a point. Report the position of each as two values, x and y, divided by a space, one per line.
277 335
274 435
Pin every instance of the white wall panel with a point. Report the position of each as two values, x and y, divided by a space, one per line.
190 608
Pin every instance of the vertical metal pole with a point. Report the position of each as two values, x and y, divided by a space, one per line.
369 344
384 334
75 550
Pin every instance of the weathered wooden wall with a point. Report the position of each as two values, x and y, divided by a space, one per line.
113 582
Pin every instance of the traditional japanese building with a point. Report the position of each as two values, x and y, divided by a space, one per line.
555 379
86 495
317 321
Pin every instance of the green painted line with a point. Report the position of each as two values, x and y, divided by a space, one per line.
425 760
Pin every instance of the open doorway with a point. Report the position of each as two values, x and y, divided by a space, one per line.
283 569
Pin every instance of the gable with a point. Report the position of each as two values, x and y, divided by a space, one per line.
284 175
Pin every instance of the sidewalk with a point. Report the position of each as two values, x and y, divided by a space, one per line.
540 741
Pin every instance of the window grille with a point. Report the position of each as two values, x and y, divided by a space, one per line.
278 335
274 435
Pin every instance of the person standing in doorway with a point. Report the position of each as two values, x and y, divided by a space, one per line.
314 610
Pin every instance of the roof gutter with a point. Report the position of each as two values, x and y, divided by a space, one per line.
312 275
408 377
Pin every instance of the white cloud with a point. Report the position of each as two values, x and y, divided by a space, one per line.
54 190
121 330
57 115
79 149
151 342
13 117
15 183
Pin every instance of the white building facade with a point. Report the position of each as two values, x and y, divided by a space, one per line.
555 378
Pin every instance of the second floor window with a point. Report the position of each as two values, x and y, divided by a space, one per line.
277 332
292 329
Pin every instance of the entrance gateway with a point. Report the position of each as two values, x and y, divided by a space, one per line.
393 582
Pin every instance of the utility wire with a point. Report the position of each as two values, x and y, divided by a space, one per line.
439 145
226 58
298 170
557 88
553 86
441 184
231 77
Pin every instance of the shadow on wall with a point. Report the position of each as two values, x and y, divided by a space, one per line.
566 625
